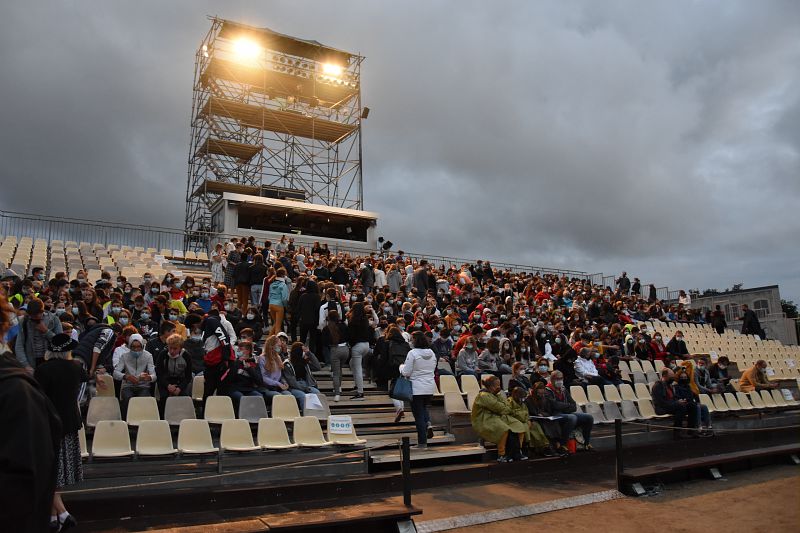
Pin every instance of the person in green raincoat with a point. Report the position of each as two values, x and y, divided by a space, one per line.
492 419
535 437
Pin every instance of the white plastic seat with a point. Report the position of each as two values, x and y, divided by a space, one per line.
629 411
594 394
596 412
252 408
469 383
105 385
349 439
579 395
647 366
744 401
82 441
111 439
647 410
198 386
612 412
719 403
777 396
733 404
194 437
766 397
658 364
627 392
635 366
102 408
448 383
642 392
140 409
307 432
454 404
284 407
789 402
154 438
639 377
179 408
236 436
272 435
755 399
706 400
218 409
471 395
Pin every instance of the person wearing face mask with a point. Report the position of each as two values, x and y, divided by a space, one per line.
755 378
643 350
703 380
534 438
684 389
36 329
467 360
541 373
585 369
174 370
677 346
203 298
665 402
519 379
136 370
559 402
253 321
270 365
719 373
659 348
443 347
492 419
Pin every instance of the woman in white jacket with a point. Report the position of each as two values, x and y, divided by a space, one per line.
419 367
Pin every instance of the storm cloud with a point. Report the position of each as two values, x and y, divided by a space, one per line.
661 138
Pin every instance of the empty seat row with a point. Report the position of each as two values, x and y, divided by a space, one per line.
450 384
178 408
112 438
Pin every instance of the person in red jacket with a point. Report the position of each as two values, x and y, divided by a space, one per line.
659 349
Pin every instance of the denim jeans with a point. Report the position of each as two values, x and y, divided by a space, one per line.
300 396
419 406
339 355
572 420
357 353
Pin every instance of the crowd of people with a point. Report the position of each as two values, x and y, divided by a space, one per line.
267 317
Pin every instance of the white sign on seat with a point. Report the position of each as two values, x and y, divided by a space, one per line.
340 424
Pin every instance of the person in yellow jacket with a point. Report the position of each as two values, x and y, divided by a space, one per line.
535 437
755 378
492 419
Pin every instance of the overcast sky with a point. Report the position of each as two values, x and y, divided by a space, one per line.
661 138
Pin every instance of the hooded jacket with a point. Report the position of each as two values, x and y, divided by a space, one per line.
419 367
24 344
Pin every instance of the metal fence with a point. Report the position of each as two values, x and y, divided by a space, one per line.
66 229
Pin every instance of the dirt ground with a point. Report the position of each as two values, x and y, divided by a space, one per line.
765 499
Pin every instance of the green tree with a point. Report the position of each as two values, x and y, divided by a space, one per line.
789 308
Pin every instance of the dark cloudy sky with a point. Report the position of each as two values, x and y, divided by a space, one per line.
658 137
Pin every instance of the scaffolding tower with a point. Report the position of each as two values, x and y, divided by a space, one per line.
272 115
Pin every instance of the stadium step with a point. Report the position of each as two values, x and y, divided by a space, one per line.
393 456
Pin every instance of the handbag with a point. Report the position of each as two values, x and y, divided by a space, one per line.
402 390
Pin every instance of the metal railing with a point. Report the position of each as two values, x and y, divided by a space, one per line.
102 232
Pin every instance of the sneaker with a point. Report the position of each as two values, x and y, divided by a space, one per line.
336 398
520 457
68 522
562 451
505 459
357 397
420 446
547 452
55 526
429 432
398 416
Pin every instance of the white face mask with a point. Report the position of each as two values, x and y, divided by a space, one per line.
250 316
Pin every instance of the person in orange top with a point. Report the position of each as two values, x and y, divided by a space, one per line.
755 378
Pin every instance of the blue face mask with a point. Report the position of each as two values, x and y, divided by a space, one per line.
136 355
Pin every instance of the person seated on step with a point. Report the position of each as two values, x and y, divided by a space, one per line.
534 437
703 380
492 419
559 402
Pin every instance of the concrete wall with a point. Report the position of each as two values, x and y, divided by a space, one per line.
772 319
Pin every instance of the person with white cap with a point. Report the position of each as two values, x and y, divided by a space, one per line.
136 371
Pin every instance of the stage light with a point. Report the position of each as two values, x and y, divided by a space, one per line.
331 69
365 112
246 49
